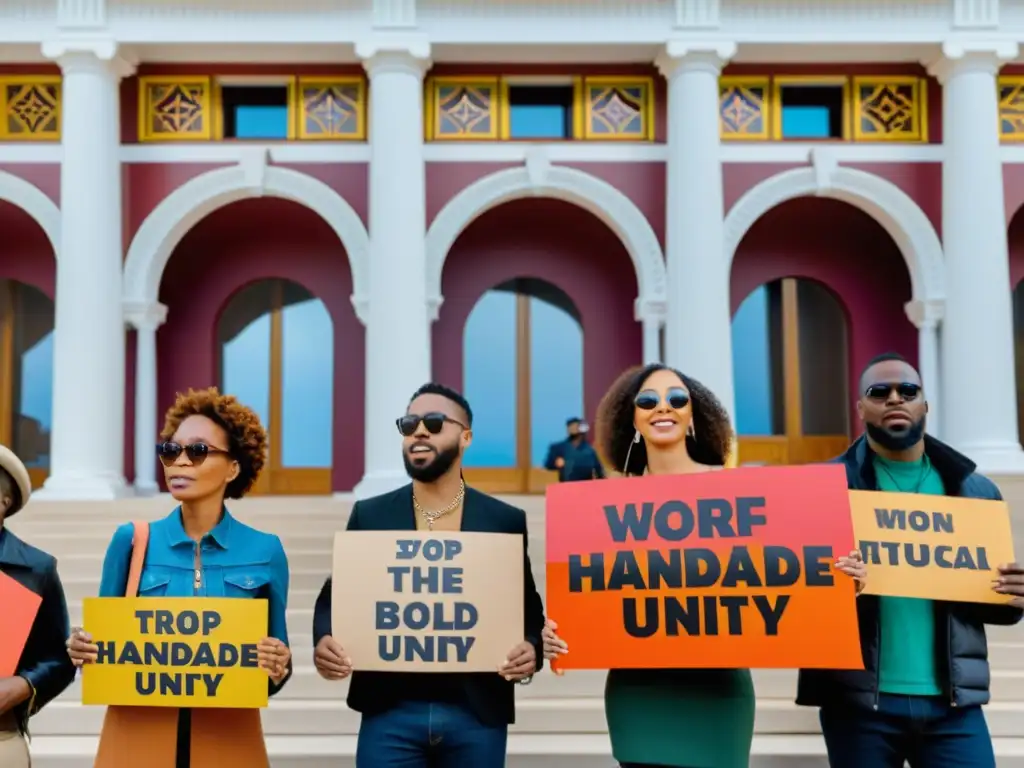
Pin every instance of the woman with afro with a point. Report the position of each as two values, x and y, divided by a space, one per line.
654 420
213 449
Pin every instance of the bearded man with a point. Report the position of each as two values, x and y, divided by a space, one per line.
447 720
926 673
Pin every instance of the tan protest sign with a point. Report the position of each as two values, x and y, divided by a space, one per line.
425 601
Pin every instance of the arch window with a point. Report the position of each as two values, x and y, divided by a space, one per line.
26 375
790 360
275 342
523 375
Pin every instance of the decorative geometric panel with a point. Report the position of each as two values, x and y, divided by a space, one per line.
618 108
890 109
31 108
743 108
462 108
1011 108
175 108
331 108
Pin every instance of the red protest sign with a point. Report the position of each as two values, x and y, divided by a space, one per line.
20 606
728 569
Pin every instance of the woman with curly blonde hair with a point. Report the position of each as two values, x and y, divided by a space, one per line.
213 449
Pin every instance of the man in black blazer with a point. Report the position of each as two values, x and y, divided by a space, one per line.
432 719
44 669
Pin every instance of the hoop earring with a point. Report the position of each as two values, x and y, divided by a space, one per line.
634 441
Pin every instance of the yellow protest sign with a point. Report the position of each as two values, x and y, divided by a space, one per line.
932 547
427 601
175 652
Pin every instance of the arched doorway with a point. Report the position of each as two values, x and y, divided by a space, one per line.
818 289
274 340
259 304
790 357
516 335
566 303
26 374
1015 238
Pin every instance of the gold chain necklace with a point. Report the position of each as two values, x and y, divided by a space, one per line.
432 516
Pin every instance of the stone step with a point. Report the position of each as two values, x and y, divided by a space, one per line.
315 717
305 683
524 751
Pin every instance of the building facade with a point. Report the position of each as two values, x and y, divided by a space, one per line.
319 205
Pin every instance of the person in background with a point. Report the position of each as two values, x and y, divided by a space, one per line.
926 671
214 449
574 458
44 669
435 719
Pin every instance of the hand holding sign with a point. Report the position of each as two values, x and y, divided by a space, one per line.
1011 582
81 648
853 566
330 659
521 663
274 656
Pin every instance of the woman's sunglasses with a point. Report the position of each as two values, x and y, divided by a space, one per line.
648 400
196 452
905 390
434 422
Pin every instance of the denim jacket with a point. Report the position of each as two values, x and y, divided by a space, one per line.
44 663
235 561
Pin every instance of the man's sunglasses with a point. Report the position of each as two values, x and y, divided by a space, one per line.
648 400
196 452
881 392
434 422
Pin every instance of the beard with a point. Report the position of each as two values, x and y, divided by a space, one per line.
433 469
897 439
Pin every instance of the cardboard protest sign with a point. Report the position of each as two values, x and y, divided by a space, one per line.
175 652
20 606
427 601
932 547
723 569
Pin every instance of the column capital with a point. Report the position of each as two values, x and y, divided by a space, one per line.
925 313
145 316
88 54
687 55
408 53
962 56
650 309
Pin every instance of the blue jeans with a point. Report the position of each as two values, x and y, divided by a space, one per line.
926 732
420 734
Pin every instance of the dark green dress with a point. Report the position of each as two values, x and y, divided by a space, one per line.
690 718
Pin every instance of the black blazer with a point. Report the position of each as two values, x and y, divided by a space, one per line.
491 697
44 662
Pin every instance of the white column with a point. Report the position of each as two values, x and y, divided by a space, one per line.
87 442
977 331
397 327
651 314
698 332
926 317
145 318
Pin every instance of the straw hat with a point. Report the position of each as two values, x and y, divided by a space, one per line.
16 469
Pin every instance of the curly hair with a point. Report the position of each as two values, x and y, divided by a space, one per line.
615 429
247 440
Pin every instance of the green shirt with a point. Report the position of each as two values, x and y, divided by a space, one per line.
907 664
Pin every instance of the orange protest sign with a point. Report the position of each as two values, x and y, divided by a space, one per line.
20 606
723 569
932 547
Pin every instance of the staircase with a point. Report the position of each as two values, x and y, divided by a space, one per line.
560 720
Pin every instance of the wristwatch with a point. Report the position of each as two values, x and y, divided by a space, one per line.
526 680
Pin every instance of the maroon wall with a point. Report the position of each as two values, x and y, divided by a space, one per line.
26 254
254 240
845 250
554 241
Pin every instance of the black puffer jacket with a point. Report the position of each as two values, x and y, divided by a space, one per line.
960 627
